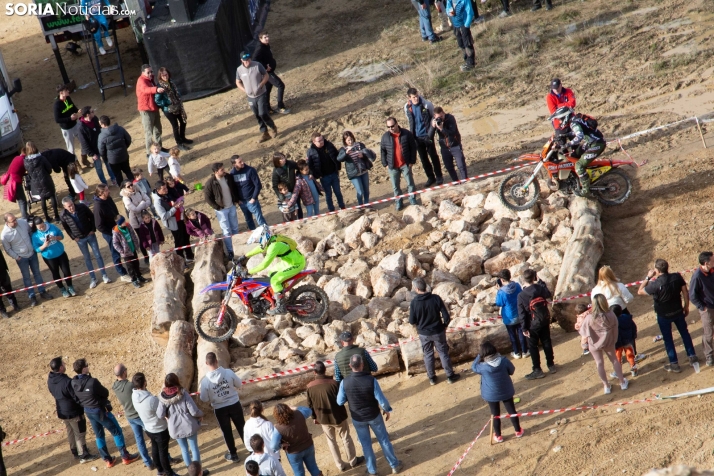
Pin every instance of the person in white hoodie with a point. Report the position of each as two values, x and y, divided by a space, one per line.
157 428
220 387
257 424
268 465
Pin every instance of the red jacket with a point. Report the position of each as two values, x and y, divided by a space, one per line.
554 101
12 177
145 91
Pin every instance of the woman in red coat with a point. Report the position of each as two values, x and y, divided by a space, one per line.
12 180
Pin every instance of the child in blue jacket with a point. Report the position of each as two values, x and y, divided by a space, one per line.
497 386
507 300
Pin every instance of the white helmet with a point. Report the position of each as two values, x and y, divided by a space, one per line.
260 235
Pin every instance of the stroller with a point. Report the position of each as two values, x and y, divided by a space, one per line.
28 194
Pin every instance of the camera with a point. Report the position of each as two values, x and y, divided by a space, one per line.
439 121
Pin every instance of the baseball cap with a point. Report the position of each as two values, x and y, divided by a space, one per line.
346 336
555 83
245 55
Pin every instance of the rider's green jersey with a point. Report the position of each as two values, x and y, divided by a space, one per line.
276 249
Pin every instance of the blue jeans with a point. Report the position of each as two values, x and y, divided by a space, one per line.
331 183
27 264
306 457
116 257
84 244
311 210
103 29
228 221
101 421
518 340
185 444
252 209
427 32
395 175
361 184
365 439
100 171
137 426
665 327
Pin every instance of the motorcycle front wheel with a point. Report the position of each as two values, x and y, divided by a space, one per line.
308 304
613 188
514 196
206 323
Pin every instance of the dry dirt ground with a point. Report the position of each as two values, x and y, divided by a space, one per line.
633 64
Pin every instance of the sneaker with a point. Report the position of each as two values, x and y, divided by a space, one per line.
693 359
130 458
187 141
358 461
624 385
466 67
613 375
435 40
454 378
586 351
552 369
114 183
110 43
519 434
151 467
232 458
480 19
674 367
640 357
136 283
111 461
264 138
283 110
71 291
608 390
33 301
93 284
143 280
635 372
710 361
46 295
413 201
65 293
497 439
399 205
515 356
106 279
102 51
536 374
527 355
433 381
189 260
429 182
87 457
397 468
126 278
504 14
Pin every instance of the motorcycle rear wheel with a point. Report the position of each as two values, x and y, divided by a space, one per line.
205 323
512 194
308 304
618 188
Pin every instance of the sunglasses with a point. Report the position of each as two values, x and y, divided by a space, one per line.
392 126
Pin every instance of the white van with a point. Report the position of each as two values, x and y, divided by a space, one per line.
10 132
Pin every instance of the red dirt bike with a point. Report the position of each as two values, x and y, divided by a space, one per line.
217 322
611 186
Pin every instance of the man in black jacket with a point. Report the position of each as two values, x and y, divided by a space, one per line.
60 159
419 113
78 222
322 160
248 186
113 143
450 143
6 287
535 322
93 397
221 194
398 152
105 214
66 115
89 131
264 55
428 312
69 410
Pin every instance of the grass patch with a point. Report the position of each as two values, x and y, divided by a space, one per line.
568 15
581 39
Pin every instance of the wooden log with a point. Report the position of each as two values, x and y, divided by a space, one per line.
388 363
463 346
208 268
582 253
221 351
178 357
169 294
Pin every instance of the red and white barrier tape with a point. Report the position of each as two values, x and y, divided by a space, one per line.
40 435
571 409
463 456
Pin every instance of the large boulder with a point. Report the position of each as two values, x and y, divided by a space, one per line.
466 268
380 305
448 210
494 265
384 282
417 214
395 263
413 267
494 204
353 233
386 224
369 240
356 269
449 291
338 287
169 294
473 201
178 357
358 313
439 276
305 245
250 332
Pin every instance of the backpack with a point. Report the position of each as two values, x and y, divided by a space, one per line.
540 314
589 122
287 240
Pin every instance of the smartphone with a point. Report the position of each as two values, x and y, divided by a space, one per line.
499 282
